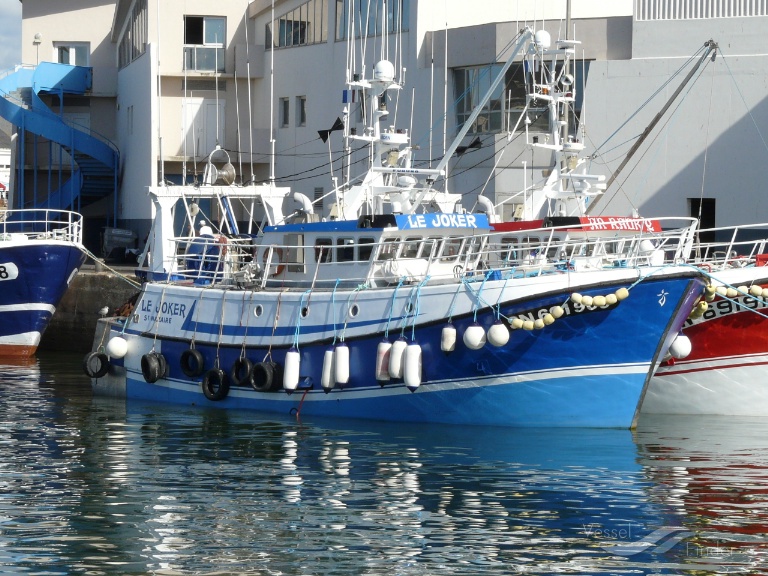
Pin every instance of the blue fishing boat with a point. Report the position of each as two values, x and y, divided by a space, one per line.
406 307
40 253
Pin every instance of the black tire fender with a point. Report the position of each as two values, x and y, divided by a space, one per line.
192 362
215 384
96 364
242 371
266 376
153 367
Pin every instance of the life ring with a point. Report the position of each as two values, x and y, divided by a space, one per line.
153 366
241 371
215 384
266 376
192 362
277 260
96 364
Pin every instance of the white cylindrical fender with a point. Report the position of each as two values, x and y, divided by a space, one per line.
117 347
474 337
448 338
587 300
291 370
498 334
681 347
396 358
382 361
341 364
412 366
326 379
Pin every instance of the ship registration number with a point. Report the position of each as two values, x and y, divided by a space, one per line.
8 271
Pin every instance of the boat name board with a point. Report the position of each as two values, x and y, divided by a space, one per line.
8 271
162 313
442 220
613 223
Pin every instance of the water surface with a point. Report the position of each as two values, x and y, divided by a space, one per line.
97 486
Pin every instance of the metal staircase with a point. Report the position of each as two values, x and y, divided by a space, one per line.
93 160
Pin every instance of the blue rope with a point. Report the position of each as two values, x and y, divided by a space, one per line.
298 320
333 308
418 308
392 306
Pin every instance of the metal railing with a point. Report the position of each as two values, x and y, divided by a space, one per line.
41 224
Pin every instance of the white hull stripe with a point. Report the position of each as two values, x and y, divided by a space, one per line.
27 307
26 339
393 389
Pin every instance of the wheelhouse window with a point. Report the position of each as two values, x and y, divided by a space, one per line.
73 53
372 16
507 102
304 25
204 39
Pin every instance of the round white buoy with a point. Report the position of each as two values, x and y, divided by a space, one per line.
516 323
681 347
587 300
557 312
528 325
382 361
326 378
576 297
599 301
474 337
731 293
756 291
611 299
341 364
538 324
412 366
291 370
621 294
498 334
764 295
721 290
117 347
709 292
448 338
743 289
548 319
396 358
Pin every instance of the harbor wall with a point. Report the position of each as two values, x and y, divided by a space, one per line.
73 325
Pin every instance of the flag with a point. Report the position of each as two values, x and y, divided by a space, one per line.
338 125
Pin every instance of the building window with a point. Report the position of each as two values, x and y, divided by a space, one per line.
304 25
301 110
285 112
370 15
505 105
204 38
133 41
72 53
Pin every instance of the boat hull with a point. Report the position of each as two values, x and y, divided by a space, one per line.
725 374
589 368
34 275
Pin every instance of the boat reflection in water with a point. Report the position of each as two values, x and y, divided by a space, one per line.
95 485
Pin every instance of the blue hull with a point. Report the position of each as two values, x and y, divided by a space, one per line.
33 278
588 369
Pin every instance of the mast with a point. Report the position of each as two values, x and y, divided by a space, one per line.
711 49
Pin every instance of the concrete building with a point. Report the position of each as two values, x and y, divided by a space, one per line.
172 80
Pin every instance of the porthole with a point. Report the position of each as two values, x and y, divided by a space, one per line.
258 310
305 311
354 311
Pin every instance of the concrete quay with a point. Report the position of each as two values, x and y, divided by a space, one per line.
74 323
